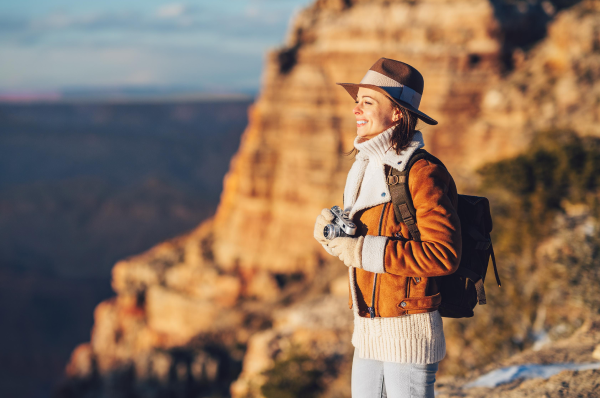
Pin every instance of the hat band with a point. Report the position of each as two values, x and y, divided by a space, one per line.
392 87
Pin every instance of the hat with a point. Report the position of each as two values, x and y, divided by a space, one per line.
402 83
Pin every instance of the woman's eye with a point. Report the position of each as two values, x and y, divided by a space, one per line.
368 103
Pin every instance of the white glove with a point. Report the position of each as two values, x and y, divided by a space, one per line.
322 220
349 250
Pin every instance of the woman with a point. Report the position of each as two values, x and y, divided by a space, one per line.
398 335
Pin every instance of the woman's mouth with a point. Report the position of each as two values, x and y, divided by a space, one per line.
360 123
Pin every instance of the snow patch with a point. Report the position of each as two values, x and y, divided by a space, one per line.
527 371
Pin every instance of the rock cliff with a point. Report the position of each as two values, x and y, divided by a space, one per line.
253 277
289 165
554 85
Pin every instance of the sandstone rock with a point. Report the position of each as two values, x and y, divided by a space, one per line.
320 327
258 358
575 349
596 353
262 285
555 86
81 362
133 277
340 286
204 284
119 333
289 165
155 364
177 315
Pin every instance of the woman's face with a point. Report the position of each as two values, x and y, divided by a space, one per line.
374 113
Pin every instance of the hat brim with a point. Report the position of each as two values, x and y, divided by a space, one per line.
352 89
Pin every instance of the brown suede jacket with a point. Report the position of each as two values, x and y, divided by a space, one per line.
408 285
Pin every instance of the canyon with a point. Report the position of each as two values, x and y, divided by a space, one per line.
211 311
83 185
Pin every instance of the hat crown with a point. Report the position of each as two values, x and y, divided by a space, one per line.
400 72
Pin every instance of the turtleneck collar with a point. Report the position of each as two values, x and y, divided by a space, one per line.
379 148
366 185
376 147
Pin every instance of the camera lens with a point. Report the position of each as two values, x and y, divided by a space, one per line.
327 231
332 231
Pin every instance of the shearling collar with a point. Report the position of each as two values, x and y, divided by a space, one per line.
366 185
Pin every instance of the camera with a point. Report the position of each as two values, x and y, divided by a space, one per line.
340 226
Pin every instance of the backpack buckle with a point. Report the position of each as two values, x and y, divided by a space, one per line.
483 245
394 179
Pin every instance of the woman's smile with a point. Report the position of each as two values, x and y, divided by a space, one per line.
374 113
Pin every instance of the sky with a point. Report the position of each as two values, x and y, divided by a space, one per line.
203 45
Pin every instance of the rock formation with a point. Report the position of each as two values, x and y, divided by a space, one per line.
253 276
289 165
555 85
579 348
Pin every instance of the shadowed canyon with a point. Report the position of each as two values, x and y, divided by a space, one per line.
249 305
81 186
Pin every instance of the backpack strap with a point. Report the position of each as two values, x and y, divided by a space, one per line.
495 268
397 181
477 281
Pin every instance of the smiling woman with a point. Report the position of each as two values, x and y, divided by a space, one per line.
398 335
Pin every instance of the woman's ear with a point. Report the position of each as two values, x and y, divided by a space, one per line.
396 115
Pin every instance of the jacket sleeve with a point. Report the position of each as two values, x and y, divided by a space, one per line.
438 252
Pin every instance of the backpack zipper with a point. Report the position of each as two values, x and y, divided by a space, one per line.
372 307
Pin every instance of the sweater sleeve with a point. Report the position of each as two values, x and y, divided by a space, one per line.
438 253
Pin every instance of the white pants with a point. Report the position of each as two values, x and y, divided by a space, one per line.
378 379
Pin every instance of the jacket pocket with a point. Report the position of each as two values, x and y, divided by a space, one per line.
419 304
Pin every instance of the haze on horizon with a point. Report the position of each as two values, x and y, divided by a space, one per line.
57 45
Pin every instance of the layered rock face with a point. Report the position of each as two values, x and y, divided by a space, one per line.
290 165
555 85
166 298
221 284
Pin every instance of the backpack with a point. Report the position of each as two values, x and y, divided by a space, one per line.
463 289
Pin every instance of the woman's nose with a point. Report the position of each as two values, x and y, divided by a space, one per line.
357 110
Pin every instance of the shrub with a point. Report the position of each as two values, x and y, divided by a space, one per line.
530 189
294 376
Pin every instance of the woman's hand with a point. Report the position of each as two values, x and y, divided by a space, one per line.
349 250
322 220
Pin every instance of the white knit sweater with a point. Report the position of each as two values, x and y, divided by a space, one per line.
416 338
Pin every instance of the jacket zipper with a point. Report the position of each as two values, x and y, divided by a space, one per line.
372 307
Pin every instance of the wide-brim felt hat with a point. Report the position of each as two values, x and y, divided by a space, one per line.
402 83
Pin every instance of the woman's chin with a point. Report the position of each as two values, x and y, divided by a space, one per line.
362 133
366 135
